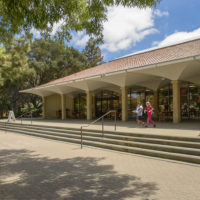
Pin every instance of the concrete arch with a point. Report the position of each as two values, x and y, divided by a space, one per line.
191 73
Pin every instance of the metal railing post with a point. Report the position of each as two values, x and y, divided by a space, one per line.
115 120
102 121
81 137
102 127
5 127
31 117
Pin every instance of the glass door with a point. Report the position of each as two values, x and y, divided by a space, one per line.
106 101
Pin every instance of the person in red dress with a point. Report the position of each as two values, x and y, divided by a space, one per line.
149 110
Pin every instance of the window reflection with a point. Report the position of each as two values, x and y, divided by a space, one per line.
106 101
80 106
190 101
138 95
165 99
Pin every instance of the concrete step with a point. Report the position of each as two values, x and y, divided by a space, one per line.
114 136
101 144
99 138
138 135
111 141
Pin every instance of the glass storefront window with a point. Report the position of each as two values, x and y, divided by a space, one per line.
165 99
80 106
106 101
140 95
149 96
190 101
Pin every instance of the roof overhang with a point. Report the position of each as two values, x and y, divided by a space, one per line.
75 85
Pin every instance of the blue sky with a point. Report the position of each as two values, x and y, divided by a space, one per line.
130 30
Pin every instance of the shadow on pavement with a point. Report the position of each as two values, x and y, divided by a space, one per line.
26 176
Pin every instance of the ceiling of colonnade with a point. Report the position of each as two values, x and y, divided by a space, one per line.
158 76
134 79
191 73
183 71
73 88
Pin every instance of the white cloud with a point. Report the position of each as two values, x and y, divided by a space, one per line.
124 28
160 14
177 37
127 26
35 33
80 38
56 27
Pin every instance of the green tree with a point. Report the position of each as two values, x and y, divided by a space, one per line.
2 60
3 98
92 53
52 60
25 63
15 72
22 15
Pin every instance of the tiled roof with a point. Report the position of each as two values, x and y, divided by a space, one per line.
160 55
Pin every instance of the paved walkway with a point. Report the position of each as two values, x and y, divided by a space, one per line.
186 129
38 169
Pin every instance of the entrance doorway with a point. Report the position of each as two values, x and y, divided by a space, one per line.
141 95
80 106
106 101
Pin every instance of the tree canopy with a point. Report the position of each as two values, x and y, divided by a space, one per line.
52 60
92 53
18 16
15 72
25 63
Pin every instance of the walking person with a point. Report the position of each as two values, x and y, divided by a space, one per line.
139 113
149 110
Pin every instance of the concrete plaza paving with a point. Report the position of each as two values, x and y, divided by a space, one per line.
39 169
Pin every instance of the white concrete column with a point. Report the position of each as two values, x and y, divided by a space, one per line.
176 101
156 106
63 106
124 100
44 108
93 107
72 105
89 104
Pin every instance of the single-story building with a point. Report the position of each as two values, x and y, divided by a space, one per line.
168 77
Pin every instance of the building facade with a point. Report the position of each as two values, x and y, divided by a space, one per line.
168 77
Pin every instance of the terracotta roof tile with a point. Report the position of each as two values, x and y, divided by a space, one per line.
174 52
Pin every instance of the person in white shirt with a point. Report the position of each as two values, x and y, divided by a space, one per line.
139 113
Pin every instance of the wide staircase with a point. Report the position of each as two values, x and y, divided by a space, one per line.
185 149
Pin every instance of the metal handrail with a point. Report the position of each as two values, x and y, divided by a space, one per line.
6 127
29 112
100 118
21 119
